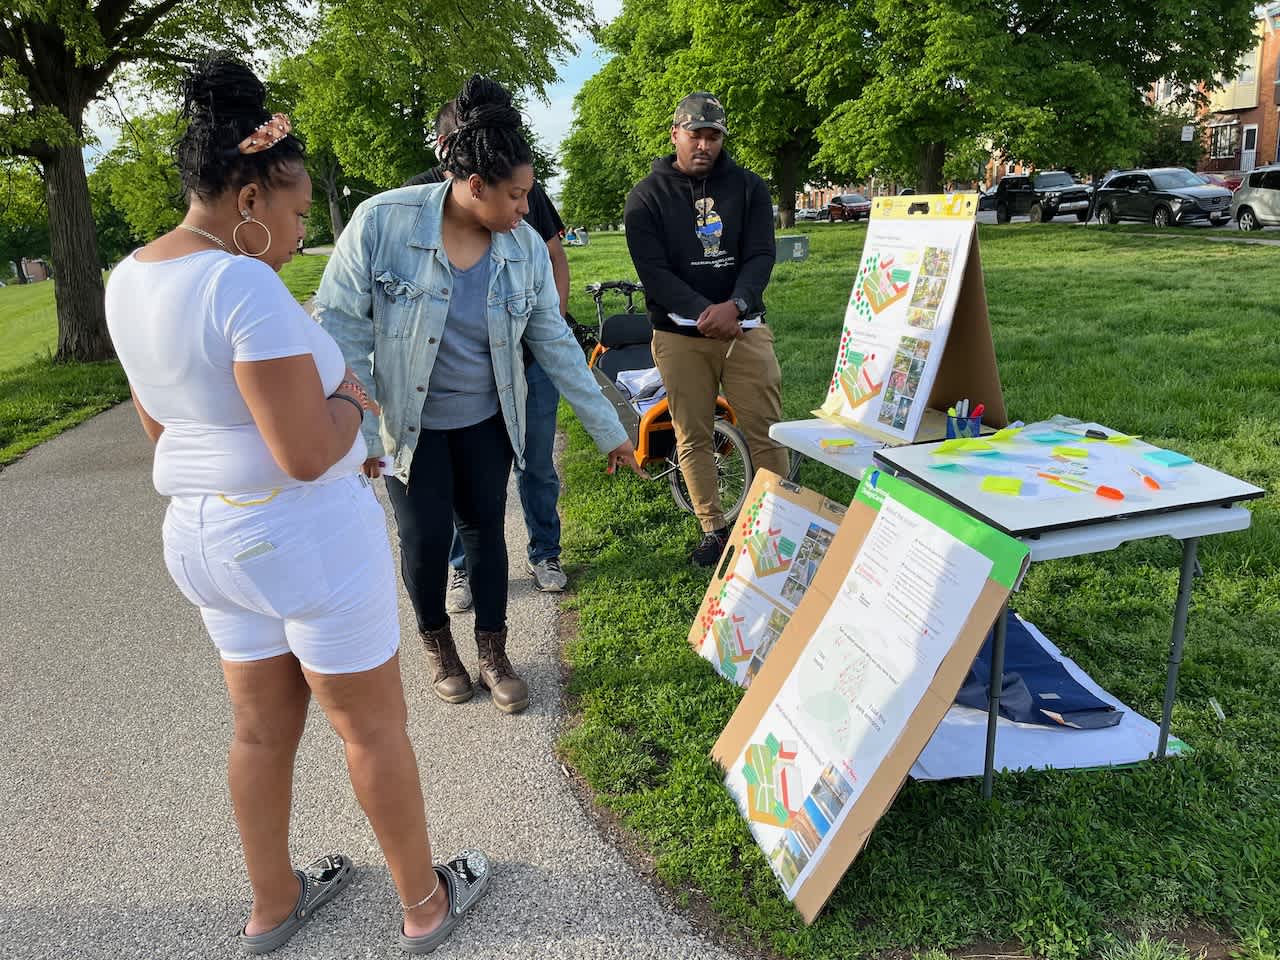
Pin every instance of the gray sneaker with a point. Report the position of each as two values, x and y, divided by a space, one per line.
547 575
458 598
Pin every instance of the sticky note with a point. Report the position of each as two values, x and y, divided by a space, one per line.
1077 453
1004 435
1052 437
961 445
1121 438
838 444
947 467
1168 458
1008 486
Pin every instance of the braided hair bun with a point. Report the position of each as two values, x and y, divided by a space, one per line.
223 103
489 138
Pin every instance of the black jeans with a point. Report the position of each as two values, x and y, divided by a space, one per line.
458 477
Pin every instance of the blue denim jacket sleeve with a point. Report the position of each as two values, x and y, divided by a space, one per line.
554 347
344 308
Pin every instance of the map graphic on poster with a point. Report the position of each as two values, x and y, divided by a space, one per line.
845 703
783 545
896 322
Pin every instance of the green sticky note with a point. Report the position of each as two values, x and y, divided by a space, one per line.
1168 458
947 467
1004 435
1079 453
1008 486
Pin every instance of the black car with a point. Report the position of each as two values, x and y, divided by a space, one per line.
1171 195
1041 196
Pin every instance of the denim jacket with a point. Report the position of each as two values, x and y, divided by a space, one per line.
384 298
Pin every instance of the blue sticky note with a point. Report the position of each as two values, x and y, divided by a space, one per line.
947 467
987 453
1054 436
1168 458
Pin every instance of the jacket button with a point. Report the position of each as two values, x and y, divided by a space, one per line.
431 339
421 388
413 429
445 291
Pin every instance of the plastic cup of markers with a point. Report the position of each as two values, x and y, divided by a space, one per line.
963 427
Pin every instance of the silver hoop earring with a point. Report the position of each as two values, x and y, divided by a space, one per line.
235 235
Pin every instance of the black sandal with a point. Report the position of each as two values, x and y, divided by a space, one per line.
465 879
319 883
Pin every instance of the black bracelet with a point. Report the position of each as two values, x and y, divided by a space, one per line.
351 400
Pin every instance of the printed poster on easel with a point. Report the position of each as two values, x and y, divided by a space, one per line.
779 542
916 331
865 670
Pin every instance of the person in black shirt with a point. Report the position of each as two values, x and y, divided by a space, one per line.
700 233
538 482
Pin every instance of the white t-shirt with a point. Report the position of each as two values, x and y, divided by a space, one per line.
178 326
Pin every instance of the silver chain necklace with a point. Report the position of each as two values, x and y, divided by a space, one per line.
204 233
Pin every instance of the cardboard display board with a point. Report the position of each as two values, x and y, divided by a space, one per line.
866 668
916 331
777 546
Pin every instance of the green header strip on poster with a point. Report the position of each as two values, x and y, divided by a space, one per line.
1008 556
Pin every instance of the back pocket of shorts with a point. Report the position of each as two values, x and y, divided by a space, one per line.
287 581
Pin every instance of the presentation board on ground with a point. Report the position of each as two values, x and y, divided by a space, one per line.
781 537
865 669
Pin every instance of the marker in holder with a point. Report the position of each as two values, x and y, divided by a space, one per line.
963 427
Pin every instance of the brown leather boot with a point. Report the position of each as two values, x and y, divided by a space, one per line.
450 679
510 693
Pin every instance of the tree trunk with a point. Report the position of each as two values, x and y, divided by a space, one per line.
786 174
335 213
929 160
77 270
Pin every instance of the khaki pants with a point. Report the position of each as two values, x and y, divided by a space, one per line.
694 370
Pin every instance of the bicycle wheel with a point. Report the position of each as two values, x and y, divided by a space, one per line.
733 472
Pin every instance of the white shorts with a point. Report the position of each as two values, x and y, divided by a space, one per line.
307 570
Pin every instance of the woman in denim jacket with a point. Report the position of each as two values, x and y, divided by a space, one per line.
430 292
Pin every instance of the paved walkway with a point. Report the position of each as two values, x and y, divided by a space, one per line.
116 837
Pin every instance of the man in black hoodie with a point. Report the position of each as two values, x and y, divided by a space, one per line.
700 232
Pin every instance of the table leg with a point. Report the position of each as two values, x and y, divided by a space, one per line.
793 464
1179 635
994 687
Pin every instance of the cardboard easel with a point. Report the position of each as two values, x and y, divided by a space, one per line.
871 789
966 366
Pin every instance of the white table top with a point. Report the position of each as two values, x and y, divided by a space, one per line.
1194 520
1184 488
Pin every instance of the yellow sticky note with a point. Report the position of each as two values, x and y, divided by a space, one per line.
1121 438
1004 435
1008 486
1076 452
961 445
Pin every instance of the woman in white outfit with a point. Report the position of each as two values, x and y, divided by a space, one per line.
271 530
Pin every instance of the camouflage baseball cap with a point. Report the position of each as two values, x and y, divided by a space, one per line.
700 110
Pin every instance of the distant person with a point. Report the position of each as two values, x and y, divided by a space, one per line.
536 481
433 292
700 232
271 530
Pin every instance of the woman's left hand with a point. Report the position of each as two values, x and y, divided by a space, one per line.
624 455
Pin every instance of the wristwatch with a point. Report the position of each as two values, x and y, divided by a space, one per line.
742 306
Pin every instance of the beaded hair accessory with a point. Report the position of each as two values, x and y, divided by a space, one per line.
267 135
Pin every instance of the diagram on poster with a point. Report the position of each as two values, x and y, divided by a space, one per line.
897 320
843 707
778 544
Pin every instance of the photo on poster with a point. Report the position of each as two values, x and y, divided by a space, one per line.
936 262
921 319
778 621
928 292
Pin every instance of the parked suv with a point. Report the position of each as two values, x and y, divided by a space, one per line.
1171 195
1257 203
1041 196
849 206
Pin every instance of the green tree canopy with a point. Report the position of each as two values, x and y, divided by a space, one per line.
142 177
24 219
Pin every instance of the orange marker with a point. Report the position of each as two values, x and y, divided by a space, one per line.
1147 479
1109 493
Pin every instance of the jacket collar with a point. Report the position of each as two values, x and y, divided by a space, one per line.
426 233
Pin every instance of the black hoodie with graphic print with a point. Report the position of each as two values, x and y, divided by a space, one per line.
697 241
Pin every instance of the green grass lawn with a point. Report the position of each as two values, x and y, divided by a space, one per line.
39 398
1173 341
